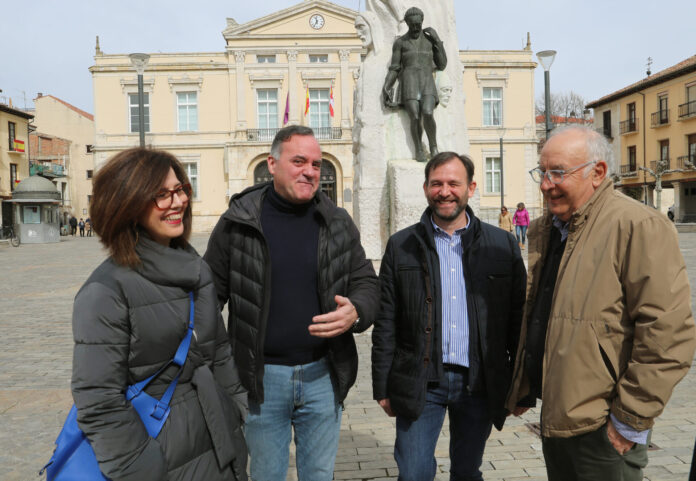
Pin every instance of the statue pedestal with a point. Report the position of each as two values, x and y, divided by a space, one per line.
406 199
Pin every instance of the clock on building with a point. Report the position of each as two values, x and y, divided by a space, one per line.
316 21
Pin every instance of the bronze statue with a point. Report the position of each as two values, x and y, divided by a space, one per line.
413 57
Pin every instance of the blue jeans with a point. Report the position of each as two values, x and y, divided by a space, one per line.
521 232
470 426
300 397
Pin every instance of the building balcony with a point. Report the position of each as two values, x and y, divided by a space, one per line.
659 118
605 131
629 170
46 169
686 161
267 135
628 126
653 164
687 110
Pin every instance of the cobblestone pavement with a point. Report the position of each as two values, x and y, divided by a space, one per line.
36 294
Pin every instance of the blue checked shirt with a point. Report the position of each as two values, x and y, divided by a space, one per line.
455 318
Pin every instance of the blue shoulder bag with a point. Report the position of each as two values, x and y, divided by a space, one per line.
74 458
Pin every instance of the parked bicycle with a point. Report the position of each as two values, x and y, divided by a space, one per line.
8 234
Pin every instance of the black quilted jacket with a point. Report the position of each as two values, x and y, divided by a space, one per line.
407 337
238 255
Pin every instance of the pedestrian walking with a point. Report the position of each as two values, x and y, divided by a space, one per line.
505 220
290 267
81 224
448 327
128 320
88 226
521 222
608 330
73 225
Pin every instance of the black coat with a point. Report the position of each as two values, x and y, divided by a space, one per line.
127 324
407 339
238 255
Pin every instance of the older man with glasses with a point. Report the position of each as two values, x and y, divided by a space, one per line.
607 330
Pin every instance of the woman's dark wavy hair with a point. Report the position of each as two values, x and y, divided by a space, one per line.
122 192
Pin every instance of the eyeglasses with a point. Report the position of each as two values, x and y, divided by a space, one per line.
164 198
555 176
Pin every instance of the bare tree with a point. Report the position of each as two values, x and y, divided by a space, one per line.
564 104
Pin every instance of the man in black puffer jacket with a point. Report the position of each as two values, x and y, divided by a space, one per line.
290 266
445 340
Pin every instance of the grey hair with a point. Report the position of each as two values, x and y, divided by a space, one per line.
284 135
596 145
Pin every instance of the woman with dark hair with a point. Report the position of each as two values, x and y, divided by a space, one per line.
521 222
128 321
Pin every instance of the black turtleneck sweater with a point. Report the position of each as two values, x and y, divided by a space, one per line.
292 235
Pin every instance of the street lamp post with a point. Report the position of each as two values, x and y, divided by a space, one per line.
139 62
546 58
501 133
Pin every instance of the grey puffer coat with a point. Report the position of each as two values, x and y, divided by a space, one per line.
127 324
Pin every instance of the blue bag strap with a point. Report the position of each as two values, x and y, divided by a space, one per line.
179 359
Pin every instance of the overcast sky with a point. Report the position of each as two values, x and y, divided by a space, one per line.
48 45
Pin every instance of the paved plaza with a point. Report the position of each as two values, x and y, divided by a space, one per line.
40 281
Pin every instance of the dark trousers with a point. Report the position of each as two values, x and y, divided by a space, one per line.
692 476
470 426
592 457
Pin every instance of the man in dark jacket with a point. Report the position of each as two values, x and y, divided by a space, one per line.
290 266
445 339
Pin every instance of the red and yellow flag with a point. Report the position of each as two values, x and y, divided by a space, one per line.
331 102
18 145
306 109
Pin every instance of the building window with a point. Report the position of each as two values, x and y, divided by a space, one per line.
32 214
267 112
664 150
632 115
266 59
318 58
192 173
492 106
327 182
632 158
319 116
261 173
492 184
12 129
187 111
606 124
13 176
90 173
133 112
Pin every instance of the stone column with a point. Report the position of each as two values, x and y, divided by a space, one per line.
241 97
344 55
292 87
678 209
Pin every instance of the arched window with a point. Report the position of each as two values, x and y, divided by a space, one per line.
261 173
327 182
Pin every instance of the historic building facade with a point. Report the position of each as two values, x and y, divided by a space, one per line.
652 127
14 158
218 111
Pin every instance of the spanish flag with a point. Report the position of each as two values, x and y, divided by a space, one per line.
331 103
306 109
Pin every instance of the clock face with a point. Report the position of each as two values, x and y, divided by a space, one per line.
316 21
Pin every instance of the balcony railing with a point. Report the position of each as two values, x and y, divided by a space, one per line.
628 170
628 126
653 164
686 159
328 133
659 118
605 131
687 110
267 135
46 169
261 135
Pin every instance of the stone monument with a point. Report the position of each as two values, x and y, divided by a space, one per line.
388 180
